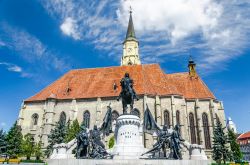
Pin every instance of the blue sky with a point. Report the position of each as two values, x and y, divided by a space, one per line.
41 40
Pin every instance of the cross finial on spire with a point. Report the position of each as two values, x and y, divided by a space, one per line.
130 10
130 31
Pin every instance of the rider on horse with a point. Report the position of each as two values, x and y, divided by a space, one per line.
127 89
127 83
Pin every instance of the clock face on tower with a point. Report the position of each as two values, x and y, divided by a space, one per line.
130 50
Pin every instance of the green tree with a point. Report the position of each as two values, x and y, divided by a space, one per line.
38 150
235 147
14 141
67 127
72 131
28 146
3 144
220 144
111 142
56 136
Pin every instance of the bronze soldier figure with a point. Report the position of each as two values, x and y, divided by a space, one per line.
82 143
98 148
175 143
161 144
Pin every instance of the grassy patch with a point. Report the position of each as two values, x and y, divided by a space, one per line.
242 163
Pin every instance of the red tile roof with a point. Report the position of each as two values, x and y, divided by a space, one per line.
244 136
98 82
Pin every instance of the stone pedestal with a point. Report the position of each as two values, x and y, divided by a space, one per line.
128 143
63 151
198 154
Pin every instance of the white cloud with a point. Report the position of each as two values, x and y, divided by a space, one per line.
218 31
179 19
11 67
69 28
32 50
15 69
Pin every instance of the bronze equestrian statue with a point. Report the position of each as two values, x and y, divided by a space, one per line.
128 93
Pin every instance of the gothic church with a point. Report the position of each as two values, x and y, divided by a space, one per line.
178 98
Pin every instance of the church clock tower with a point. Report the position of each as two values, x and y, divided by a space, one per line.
130 46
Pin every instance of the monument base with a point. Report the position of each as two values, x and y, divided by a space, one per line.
126 162
128 138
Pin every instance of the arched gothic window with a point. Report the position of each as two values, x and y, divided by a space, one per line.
86 118
206 131
63 117
136 112
178 118
115 115
35 119
217 118
192 128
166 119
178 121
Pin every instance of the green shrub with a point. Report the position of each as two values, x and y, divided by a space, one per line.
111 142
32 161
232 163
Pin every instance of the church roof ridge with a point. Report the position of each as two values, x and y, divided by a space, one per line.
106 67
175 73
244 135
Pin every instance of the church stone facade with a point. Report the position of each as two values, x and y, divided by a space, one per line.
84 94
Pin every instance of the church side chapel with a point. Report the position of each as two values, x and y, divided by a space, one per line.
84 94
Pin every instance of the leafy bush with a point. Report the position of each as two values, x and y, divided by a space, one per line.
72 131
27 146
232 163
32 161
111 142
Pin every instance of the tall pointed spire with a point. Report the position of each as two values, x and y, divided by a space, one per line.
130 45
131 30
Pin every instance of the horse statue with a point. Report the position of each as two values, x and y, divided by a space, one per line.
127 94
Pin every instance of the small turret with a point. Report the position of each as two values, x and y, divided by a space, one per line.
191 67
230 125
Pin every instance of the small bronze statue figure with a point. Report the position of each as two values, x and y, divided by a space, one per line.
161 144
82 143
128 93
98 148
95 136
106 126
167 138
90 145
175 143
